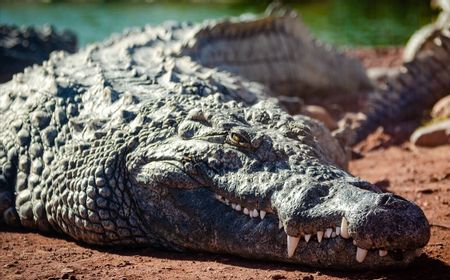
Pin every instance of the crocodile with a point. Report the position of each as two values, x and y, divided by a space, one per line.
422 80
133 142
23 46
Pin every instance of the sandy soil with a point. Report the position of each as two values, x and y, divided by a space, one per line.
419 174
378 57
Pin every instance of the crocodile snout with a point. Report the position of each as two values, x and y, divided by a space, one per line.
341 217
391 223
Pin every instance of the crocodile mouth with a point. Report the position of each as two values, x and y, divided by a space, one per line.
327 237
352 232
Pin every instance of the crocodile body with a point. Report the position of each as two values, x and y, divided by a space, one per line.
134 141
280 53
24 46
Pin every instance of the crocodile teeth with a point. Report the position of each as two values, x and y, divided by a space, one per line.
233 206
255 213
280 225
328 232
307 237
262 214
227 202
238 207
246 212
319 236
344 228
338 230
292 243
382 253
360 254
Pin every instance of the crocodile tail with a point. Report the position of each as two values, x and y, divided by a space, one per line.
420 83
278 51
8 213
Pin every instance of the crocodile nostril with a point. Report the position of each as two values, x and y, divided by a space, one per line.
390 199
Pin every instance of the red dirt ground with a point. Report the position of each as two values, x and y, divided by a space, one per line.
419 174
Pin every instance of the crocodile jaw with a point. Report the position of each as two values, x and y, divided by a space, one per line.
348 228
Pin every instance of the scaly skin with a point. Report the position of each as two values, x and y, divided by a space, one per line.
423 79
130 143
280 53
23 46
419 84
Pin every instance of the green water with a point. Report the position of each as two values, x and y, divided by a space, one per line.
342 22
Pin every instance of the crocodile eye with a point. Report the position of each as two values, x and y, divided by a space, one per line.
239 140
236 137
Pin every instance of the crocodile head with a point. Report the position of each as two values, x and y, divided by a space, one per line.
254 182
